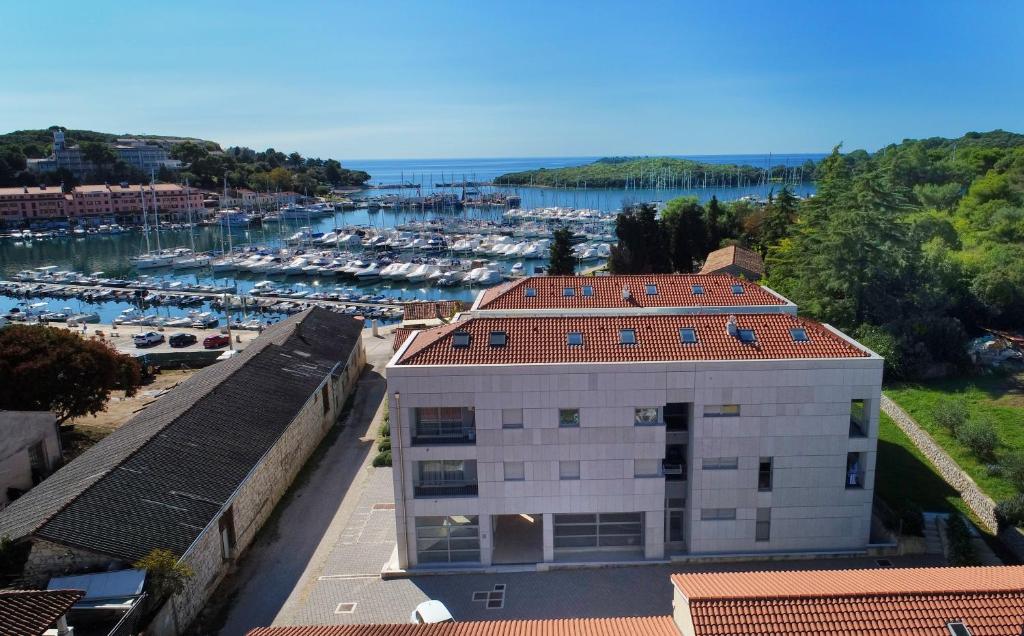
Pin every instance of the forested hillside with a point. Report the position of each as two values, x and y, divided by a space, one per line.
909 248
205 163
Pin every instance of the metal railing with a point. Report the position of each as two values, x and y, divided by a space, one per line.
445 489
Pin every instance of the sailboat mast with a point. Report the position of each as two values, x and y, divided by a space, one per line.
145 219
188 204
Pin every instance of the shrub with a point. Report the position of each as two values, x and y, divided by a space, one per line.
961 549
385 429
385 445
979 435
912 521
950 413
165 575
1010 512
1013 468
382 459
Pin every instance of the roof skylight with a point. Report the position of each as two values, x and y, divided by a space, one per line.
460 339
568 291
588 290
737 289
627 336
498 339
651 289
698 290
746 335
799 334
687 335
574 339
530 292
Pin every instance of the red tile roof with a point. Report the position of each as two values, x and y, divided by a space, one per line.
640 626
429 310
728 256
32 612
674 290
881 602
400 334
542 340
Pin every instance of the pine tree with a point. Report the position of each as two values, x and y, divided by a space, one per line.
562 261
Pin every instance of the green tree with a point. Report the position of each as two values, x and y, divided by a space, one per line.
166 575
779 216
715 221
562 261
642 248
683 223
98 154
50 369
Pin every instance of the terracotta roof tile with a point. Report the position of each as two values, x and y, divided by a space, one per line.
400 335
732 255
882 602
32 612
639 626
428 310
543 340
673 290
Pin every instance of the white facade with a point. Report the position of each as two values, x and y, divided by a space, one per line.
794 413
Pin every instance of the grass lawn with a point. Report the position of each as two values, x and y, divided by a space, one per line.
1000 397
904 478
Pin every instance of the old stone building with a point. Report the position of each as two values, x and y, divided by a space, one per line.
200 470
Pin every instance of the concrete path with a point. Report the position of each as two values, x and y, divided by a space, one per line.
313 514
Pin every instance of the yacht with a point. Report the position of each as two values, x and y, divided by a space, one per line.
369 272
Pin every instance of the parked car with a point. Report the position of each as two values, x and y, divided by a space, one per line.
148 339
216 341
181 340
431 612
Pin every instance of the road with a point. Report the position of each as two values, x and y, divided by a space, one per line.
313 512
120 336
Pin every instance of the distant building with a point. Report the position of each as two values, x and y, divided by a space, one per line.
966 601
30 204
199 471
738 261
29 451
248 199
121 203
143 155
590 419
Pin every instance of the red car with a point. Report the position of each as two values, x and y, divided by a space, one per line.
216 342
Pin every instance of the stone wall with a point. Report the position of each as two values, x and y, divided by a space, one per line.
979 502
47 559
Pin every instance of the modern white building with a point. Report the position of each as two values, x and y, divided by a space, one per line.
568 419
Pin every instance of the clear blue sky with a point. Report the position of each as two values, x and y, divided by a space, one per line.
377 79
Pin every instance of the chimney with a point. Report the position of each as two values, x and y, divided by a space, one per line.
625 292
730 326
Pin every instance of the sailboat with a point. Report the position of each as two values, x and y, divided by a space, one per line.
150 259
191 260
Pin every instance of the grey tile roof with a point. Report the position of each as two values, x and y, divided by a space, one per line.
164 475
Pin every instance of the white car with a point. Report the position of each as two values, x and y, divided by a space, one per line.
429 612
148 339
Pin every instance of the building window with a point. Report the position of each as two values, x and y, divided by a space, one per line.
721 410
569 469
764 474
568 418
646 416
677 417
627 336
720 463
717 514
511 418
858 418
763 527
445 478
647 468
38 462
606 531
515 471
588 291
447 539
687 335
574 339
568 291
444 425
854 470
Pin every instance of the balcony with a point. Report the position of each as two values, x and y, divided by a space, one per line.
435 438
436 490
673 471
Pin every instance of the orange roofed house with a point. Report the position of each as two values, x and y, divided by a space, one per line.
630 418
977 601
738 261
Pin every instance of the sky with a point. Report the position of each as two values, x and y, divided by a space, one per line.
383 79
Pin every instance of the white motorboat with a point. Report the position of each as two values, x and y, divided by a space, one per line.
369 272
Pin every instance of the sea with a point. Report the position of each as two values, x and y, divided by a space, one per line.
111 254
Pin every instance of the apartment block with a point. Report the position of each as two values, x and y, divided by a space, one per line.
621 418
125 202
